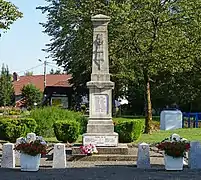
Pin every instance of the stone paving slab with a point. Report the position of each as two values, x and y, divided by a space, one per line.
100 173
46 163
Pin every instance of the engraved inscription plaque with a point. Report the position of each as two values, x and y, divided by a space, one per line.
101 103
101 140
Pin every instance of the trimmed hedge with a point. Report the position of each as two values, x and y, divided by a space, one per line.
129 130
66 131
45 118
11 129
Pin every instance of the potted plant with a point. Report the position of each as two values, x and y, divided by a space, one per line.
175 149
30 153
89 149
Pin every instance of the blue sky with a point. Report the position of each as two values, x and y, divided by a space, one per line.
20 47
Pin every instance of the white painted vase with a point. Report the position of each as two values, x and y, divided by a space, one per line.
172 163
29 163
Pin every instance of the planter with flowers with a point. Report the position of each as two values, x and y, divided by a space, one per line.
174 149
30 153
88 149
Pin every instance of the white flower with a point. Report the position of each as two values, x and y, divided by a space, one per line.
94 150
39 138
43 142
183 139
175 137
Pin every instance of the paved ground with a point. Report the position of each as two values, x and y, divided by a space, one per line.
100 173
101 170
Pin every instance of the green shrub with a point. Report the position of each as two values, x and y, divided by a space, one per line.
129 130
83 120
11 129
47 116
66 131
14 113
31 94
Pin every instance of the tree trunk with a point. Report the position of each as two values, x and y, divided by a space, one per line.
148 109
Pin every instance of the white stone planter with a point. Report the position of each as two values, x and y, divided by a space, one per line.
172 163
29 163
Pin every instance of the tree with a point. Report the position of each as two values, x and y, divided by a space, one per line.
6 87
28 73
69 24
153 37
8 14
145 37
31 94
52 71
58 71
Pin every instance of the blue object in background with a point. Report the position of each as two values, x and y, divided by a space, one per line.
196 117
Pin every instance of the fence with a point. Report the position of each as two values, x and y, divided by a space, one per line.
192 117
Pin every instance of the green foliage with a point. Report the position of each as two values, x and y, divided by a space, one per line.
28 73
8 14
10 111
6 87
32 95
72 30
11 129
83 120
129 130
66 131
58 71
14 113
146 37
47 116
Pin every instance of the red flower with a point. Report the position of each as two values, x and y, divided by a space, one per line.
32 148
187 146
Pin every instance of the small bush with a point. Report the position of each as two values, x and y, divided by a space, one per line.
129 130
14 113
11 129
83 120
66 131
10 110
47 116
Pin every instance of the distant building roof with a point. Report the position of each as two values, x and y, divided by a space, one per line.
56 80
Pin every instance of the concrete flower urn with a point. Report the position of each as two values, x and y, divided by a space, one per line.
173 163
29 163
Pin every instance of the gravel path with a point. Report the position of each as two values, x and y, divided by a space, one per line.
100 173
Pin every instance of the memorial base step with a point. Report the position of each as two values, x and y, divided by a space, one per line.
121 149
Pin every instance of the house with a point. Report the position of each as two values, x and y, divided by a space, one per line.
56 90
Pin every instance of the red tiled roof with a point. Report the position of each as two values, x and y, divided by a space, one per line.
58 80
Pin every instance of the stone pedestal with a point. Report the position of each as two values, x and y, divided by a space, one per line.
59 156
143 160
100 128
8 156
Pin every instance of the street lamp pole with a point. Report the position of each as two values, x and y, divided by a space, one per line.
45 65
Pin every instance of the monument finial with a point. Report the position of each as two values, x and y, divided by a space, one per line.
100 17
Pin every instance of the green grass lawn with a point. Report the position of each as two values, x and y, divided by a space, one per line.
192 134
54 139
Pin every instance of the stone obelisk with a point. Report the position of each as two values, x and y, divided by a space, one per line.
100 128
